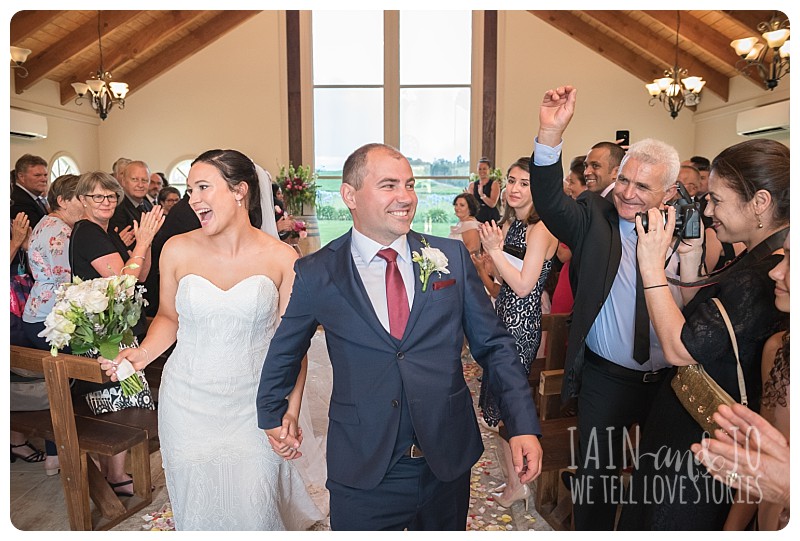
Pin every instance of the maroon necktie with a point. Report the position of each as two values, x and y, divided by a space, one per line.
396 297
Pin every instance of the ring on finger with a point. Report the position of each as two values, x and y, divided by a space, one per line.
732 477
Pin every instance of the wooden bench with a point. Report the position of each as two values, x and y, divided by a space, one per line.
555 340
78 436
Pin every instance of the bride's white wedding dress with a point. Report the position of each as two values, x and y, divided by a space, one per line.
221 471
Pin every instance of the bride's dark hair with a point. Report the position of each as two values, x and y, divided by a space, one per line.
235 168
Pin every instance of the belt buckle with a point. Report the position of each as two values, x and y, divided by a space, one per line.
415 452
651 377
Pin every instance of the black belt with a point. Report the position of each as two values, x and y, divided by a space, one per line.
616 370
414 452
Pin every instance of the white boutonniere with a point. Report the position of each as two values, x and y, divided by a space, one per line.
430 260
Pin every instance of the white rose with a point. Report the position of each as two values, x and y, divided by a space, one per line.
435 256
95 302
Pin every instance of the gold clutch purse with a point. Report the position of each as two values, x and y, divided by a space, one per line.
699 394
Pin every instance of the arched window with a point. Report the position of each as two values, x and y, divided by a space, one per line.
179 173
63 165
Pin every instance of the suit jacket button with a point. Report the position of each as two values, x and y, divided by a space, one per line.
395 403
401 355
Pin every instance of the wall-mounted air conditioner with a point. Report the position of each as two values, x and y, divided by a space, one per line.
27 125
768 119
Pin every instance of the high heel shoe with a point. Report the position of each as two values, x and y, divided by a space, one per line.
51 466
35 456
522 493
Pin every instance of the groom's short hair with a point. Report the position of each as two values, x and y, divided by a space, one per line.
356 164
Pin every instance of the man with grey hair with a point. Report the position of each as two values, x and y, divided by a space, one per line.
614 362
118 169
135 181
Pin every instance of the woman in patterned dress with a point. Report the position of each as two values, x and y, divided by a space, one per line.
519 302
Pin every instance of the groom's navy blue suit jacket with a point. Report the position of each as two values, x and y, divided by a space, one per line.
372 370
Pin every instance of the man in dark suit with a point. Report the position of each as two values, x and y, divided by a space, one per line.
135 181
181 219
611 369
402 436
29 189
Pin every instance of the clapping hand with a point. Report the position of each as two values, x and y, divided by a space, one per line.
151 222
20 230
749 454
126 235
491 236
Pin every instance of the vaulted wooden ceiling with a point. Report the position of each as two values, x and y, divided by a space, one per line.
141 45
138 46
643 42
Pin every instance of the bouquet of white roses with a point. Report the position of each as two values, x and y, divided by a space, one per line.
95 317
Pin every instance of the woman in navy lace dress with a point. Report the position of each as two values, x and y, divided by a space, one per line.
519 303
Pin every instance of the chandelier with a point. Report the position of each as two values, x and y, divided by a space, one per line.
776 33
18 57
100 90
676 88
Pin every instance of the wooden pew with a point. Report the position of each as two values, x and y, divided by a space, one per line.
556 329
79 436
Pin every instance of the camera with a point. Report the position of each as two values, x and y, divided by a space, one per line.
687 215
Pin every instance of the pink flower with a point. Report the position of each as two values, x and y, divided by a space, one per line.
303 234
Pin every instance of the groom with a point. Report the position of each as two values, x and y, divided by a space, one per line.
402 436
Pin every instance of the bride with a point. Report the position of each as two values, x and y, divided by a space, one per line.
223 289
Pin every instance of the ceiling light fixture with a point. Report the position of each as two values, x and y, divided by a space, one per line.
753 53
100 90
18 57
676 88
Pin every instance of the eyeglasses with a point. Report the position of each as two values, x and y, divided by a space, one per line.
97 198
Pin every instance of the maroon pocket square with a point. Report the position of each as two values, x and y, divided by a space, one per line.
443 284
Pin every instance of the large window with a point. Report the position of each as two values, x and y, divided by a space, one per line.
403 78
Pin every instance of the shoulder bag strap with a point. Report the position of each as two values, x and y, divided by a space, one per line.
739 372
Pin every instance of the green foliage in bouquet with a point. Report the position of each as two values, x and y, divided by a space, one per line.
96 316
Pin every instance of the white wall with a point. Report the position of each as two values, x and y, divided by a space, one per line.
229 95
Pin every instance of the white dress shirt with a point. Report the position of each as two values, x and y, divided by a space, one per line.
372 270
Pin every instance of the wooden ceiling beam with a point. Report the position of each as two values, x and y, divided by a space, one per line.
186 47
619 54
25 23
114 59
628 29
39 65
713 42
751 18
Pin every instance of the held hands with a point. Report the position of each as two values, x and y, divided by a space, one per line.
749 454
286 439
491 236
528 447
151 222
555 113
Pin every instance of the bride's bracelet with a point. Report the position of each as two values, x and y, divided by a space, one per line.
146 355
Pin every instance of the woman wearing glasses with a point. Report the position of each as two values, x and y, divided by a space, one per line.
96 251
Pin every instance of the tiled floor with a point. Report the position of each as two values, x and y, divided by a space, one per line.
37 501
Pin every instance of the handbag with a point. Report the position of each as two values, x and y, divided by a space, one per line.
28 391
113 399
699 394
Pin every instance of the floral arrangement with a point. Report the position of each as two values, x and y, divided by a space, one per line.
430 260
95 317
299 185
